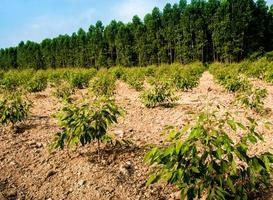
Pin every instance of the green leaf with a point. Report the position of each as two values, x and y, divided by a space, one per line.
232 124
183 193
231 185
153 179
241 126
195 169
266 163
252 138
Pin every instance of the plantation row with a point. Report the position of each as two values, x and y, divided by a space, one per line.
35 81
206 162
163 82
236 82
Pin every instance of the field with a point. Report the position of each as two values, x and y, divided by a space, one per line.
35 166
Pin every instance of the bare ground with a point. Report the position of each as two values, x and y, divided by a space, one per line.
28 170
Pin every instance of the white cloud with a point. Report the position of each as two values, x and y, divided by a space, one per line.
127 9
124 10
51 26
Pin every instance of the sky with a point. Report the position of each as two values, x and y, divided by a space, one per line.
35 20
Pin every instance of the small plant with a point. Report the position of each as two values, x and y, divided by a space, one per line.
80 80
235 84
161 93
269 76
85 122
37 84
103 84
117 72
184 81
13 109
9 83
136 81
207 163
63 90
253 98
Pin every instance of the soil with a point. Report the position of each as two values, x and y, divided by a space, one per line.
30 170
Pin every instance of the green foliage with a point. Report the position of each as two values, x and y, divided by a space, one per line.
8 83
184 81
135 82
150 71
235 84
37 83
207 163
63 90
103 84
117 72
80 79
161 93
14 79
229 76
135 78
253 99
13 108
85 122
183 77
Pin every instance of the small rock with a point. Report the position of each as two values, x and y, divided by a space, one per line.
81 183
126 169
51 173
79 173
119 133
12 163
39 145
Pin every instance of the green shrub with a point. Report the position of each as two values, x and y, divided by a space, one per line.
63 90
184 81
85 122
269 75
103 84
135 82
135 78
254 99
117 72
56 76
236 83
9 83
13 79
80 79
13 109
209 164
150 71
37 84
257 68
162 93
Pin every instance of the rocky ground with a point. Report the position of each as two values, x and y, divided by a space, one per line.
29 170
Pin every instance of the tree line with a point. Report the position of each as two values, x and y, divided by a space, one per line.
212 30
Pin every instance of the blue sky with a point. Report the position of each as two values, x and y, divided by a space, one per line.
35 20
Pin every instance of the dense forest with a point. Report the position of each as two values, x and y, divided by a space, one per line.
213 30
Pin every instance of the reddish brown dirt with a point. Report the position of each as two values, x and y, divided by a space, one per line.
28 170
